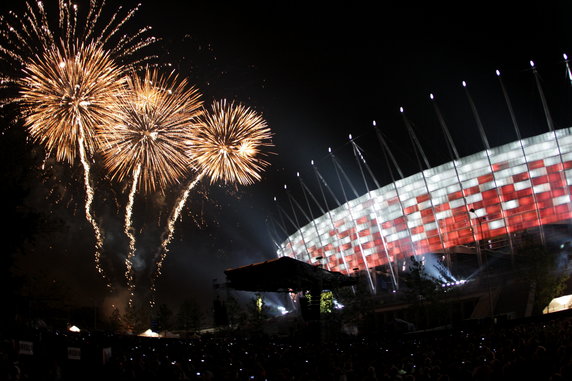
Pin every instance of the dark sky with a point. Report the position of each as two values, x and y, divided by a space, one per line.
317 72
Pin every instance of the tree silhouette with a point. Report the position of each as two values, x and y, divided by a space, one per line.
189 317
545 267
424 293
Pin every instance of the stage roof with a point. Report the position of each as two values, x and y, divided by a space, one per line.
285 274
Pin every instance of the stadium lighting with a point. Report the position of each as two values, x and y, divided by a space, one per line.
391 221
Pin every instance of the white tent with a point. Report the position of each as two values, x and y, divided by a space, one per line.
149 333
559 304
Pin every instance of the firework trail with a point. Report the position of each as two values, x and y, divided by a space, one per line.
227 145
129 233
148 139
64 94
67 76
167 235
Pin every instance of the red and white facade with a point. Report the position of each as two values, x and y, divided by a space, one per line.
511 188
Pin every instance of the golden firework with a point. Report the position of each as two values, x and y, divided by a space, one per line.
22 36
64 67
66 94
229 144
153 121
67 71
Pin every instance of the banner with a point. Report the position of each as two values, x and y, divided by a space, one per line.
74 353
25 347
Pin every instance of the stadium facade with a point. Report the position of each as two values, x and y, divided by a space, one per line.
482 199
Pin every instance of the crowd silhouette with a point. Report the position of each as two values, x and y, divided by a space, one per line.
535 348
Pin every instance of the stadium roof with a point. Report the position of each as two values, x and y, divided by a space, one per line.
285 274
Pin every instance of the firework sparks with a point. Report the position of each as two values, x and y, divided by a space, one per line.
152 125
67 74
64 94
148 139
228 145
129 233
23 36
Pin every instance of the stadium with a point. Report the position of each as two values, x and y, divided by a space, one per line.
479 203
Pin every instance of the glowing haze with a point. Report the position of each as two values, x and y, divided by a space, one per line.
227 145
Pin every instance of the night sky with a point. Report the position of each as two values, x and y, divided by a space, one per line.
317 73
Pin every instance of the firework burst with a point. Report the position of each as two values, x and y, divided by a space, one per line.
147 141
67 71
229 144
153 123
65 95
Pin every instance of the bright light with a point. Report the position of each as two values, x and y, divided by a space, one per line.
73 328
498 73
431 96
455 283
149 333
558 304
282 310
464 84
389 214
531 63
